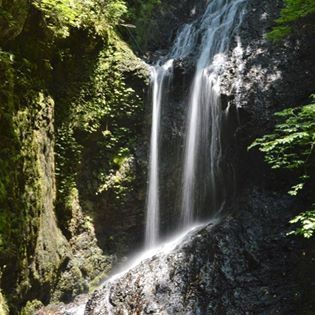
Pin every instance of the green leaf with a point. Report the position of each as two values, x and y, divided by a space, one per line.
290 146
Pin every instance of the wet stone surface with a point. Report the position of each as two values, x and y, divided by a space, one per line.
243 265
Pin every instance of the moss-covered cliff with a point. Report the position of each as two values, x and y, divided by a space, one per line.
73 150
103 105
71 111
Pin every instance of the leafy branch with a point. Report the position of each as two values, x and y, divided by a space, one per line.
291 146
293 12
98 16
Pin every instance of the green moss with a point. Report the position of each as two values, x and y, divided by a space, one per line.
106 113
97 281
31 307
97 16
27 190
98 116
4 310
13 14
70 284
140 13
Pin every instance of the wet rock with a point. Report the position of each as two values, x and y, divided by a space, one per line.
74 308
166 20
258 79
243 265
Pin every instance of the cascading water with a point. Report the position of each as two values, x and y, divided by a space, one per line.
211 35
184 42
203 140
159 74
218 24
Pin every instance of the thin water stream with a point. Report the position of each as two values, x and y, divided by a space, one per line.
219 25
159 76
211 36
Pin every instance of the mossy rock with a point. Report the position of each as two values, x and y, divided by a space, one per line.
31 307
13 14
4 310
37 253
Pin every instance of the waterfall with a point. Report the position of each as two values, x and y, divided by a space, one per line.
203 141
184 43
211 36
161 73
158 78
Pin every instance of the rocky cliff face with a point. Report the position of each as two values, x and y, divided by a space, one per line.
72 166
242 265
260 78
245 264
57 153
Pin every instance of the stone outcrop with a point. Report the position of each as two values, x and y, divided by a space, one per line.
244 264
62 234
53 245
13 17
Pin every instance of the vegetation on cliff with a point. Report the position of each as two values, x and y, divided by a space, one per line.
291 146
45 46
97 16
296 14
71 120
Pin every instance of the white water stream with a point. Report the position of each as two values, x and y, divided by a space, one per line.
211 36
161 250
218 27
159 74
183 45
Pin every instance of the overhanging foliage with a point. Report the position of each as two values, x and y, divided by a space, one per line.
291 146
293 12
